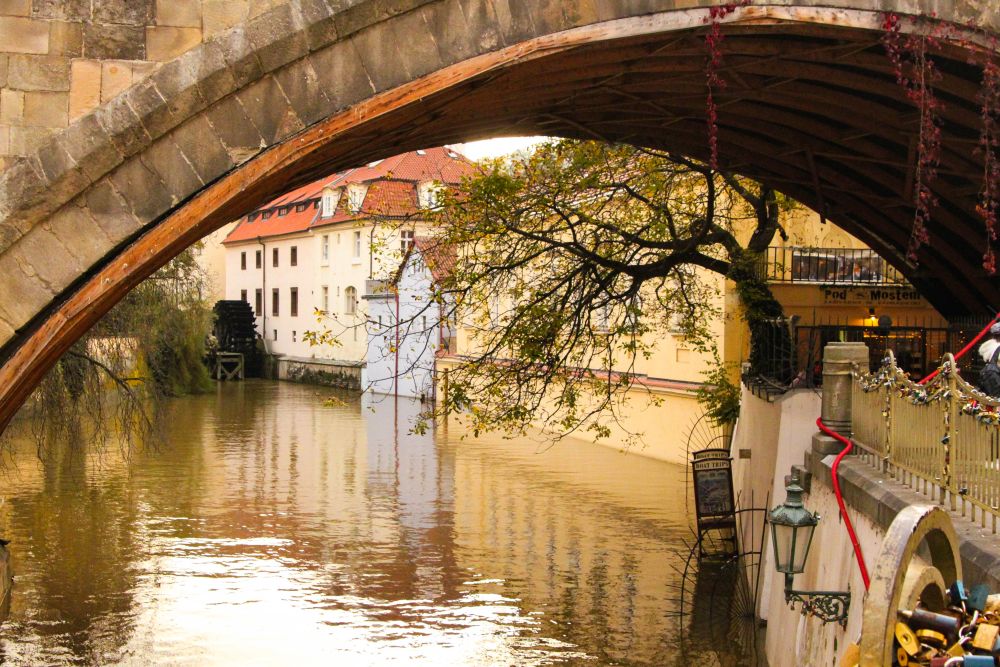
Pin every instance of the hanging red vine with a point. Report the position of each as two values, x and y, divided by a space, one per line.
989 143
916 72
713 43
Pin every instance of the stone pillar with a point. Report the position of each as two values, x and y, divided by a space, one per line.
838 358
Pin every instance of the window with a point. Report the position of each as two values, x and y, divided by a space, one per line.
266 214
356 196
274 257
427 194
328 204
243 261
338 239
300 207
274 301
283 210
275 335
350 301
324 247
258 302
252 217
243 296
259 259
293 335
294 306
294 256
357 244
405 240
325 298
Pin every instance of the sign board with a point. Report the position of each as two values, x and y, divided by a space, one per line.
837 295
713 486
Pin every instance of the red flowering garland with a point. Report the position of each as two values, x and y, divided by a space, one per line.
917 72
713 43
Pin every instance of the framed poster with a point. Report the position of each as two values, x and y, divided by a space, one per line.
713 489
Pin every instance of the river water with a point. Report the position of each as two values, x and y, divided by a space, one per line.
274 529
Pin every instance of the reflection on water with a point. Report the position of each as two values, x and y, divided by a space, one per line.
275 530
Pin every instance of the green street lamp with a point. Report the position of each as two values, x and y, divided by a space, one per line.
792 527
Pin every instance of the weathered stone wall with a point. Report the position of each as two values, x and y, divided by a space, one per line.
61 58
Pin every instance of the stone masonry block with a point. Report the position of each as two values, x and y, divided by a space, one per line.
177 175
204 151
165 43
381 57
483 26
126 12
79 234
342 75
40 252
4 61
15 7
22 189
231 124
65 39
301 86
177 83
24 35
123 126
367 13
269 110
320 21
42 109
11 106
215 79
6 332
91 147
26 140
22 296
116 76
276 38
449 30
153 111
240 56
179 13
38 73
219 15
142 189
114 42
418 51
64 10
4 140
514 19
110 212
84 87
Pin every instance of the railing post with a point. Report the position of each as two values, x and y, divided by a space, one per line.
838 360
947 479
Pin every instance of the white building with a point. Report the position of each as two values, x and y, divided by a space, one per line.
303 261
407 329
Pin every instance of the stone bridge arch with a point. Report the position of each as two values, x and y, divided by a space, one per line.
316 85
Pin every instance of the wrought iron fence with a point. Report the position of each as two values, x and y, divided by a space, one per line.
828 266
942 439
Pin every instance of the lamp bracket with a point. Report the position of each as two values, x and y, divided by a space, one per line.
827 606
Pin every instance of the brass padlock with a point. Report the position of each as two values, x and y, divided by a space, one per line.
986 636
931 638
907 639
902 659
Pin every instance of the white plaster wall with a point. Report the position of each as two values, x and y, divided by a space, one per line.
418 333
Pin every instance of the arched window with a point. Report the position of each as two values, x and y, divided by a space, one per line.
350 301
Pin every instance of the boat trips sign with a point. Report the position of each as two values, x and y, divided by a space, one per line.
871 296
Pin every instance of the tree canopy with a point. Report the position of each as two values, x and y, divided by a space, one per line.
571 261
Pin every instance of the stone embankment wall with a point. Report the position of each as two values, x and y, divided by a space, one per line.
61 58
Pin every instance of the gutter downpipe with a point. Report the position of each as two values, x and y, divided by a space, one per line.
263 293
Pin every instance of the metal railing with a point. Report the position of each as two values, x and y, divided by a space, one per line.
941 439
828 266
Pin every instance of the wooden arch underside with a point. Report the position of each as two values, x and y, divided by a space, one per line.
814 112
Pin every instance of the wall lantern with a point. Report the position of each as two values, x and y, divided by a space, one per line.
792 527
871 320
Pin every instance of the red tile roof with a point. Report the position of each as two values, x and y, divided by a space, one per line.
392 191
438 257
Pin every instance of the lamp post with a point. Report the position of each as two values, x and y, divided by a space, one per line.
792 527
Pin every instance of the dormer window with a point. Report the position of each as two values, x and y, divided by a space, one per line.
266 214
300 207
328 203
283 211
427 194
356 196
252 216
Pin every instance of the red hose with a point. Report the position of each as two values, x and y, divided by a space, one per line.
961 353
840 498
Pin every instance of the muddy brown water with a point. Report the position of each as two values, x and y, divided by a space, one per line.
272 529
